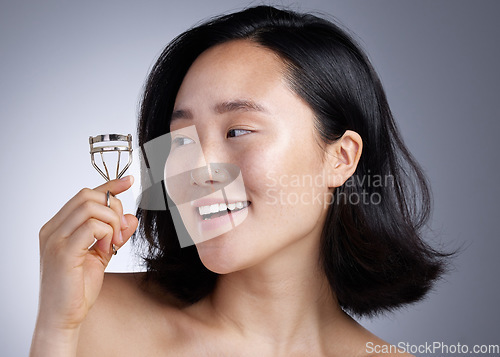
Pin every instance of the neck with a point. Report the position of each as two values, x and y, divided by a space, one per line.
280 301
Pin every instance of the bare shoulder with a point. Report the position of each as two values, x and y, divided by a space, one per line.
126 318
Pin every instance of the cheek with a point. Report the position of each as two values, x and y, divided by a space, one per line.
258 166
286 182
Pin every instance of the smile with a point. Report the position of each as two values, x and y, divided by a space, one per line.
221 209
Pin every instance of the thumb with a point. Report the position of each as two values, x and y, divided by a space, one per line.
117 186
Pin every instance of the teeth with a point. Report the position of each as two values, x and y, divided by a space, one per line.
218 207
204 210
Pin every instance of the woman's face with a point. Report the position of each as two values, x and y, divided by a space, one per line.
236 110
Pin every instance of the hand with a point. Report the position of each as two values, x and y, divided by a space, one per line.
71 272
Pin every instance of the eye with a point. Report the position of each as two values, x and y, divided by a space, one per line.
237 132
181 141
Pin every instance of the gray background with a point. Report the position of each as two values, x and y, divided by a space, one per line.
70 70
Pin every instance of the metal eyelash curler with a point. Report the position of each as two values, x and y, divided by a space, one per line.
110 143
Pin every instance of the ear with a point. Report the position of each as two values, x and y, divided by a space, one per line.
342 158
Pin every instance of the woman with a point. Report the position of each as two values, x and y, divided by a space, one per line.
330 214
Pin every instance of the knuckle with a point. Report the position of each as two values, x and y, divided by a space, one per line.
98 228
44 236
43 231
92 224
118 205
84 193
109 230
87 206
117 219
106 231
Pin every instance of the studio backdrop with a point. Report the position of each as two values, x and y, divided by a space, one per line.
70 70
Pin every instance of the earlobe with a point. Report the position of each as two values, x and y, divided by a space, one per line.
343 158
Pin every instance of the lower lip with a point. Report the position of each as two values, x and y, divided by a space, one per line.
218 222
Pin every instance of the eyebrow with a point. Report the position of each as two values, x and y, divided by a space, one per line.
181 114
239 105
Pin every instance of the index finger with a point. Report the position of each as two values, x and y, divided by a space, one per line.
98 195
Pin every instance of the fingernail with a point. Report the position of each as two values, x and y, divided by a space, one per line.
124 223
127 178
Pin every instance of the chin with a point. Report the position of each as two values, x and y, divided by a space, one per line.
221 256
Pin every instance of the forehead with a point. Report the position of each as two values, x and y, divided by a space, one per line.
234 69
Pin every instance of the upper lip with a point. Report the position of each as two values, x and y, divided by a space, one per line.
211 201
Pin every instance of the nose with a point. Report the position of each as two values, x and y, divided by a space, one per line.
213 174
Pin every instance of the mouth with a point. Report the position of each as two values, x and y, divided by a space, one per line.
216 210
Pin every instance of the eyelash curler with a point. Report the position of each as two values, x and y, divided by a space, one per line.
105 144
109 143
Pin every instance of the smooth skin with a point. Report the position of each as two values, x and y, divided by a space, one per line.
271 299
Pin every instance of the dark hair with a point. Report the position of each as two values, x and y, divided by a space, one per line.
372 254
